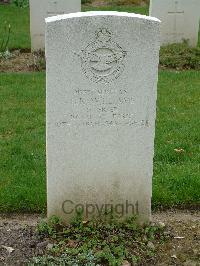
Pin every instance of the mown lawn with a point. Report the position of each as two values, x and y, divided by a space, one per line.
22 141
133 9
18 18
177 145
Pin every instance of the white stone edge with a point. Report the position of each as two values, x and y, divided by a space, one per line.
99 13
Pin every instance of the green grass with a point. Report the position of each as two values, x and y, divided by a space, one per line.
22 141
19 21
177 174
133 9
18 18
22 130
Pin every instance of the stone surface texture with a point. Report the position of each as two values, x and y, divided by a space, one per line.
180 20
101 109
41 9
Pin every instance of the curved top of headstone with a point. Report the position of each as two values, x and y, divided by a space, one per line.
101 108
101 13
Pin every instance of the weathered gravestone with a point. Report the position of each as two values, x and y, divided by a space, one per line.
180 20
101 110
41 9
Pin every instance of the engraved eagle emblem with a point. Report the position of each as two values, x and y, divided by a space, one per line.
102 59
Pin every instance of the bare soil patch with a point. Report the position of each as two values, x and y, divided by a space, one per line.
184 246
19 241
170 58
97 3
22 62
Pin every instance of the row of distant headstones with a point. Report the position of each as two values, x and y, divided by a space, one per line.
180 18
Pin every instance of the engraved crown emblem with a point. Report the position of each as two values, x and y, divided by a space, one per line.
102 59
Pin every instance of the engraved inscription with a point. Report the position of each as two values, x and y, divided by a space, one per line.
54 8
102 60
106 107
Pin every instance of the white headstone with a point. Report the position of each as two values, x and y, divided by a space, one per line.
41 9
101 109
180 20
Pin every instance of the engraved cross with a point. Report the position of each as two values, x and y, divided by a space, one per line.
54 9
176 11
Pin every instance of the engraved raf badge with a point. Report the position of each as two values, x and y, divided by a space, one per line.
102 60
